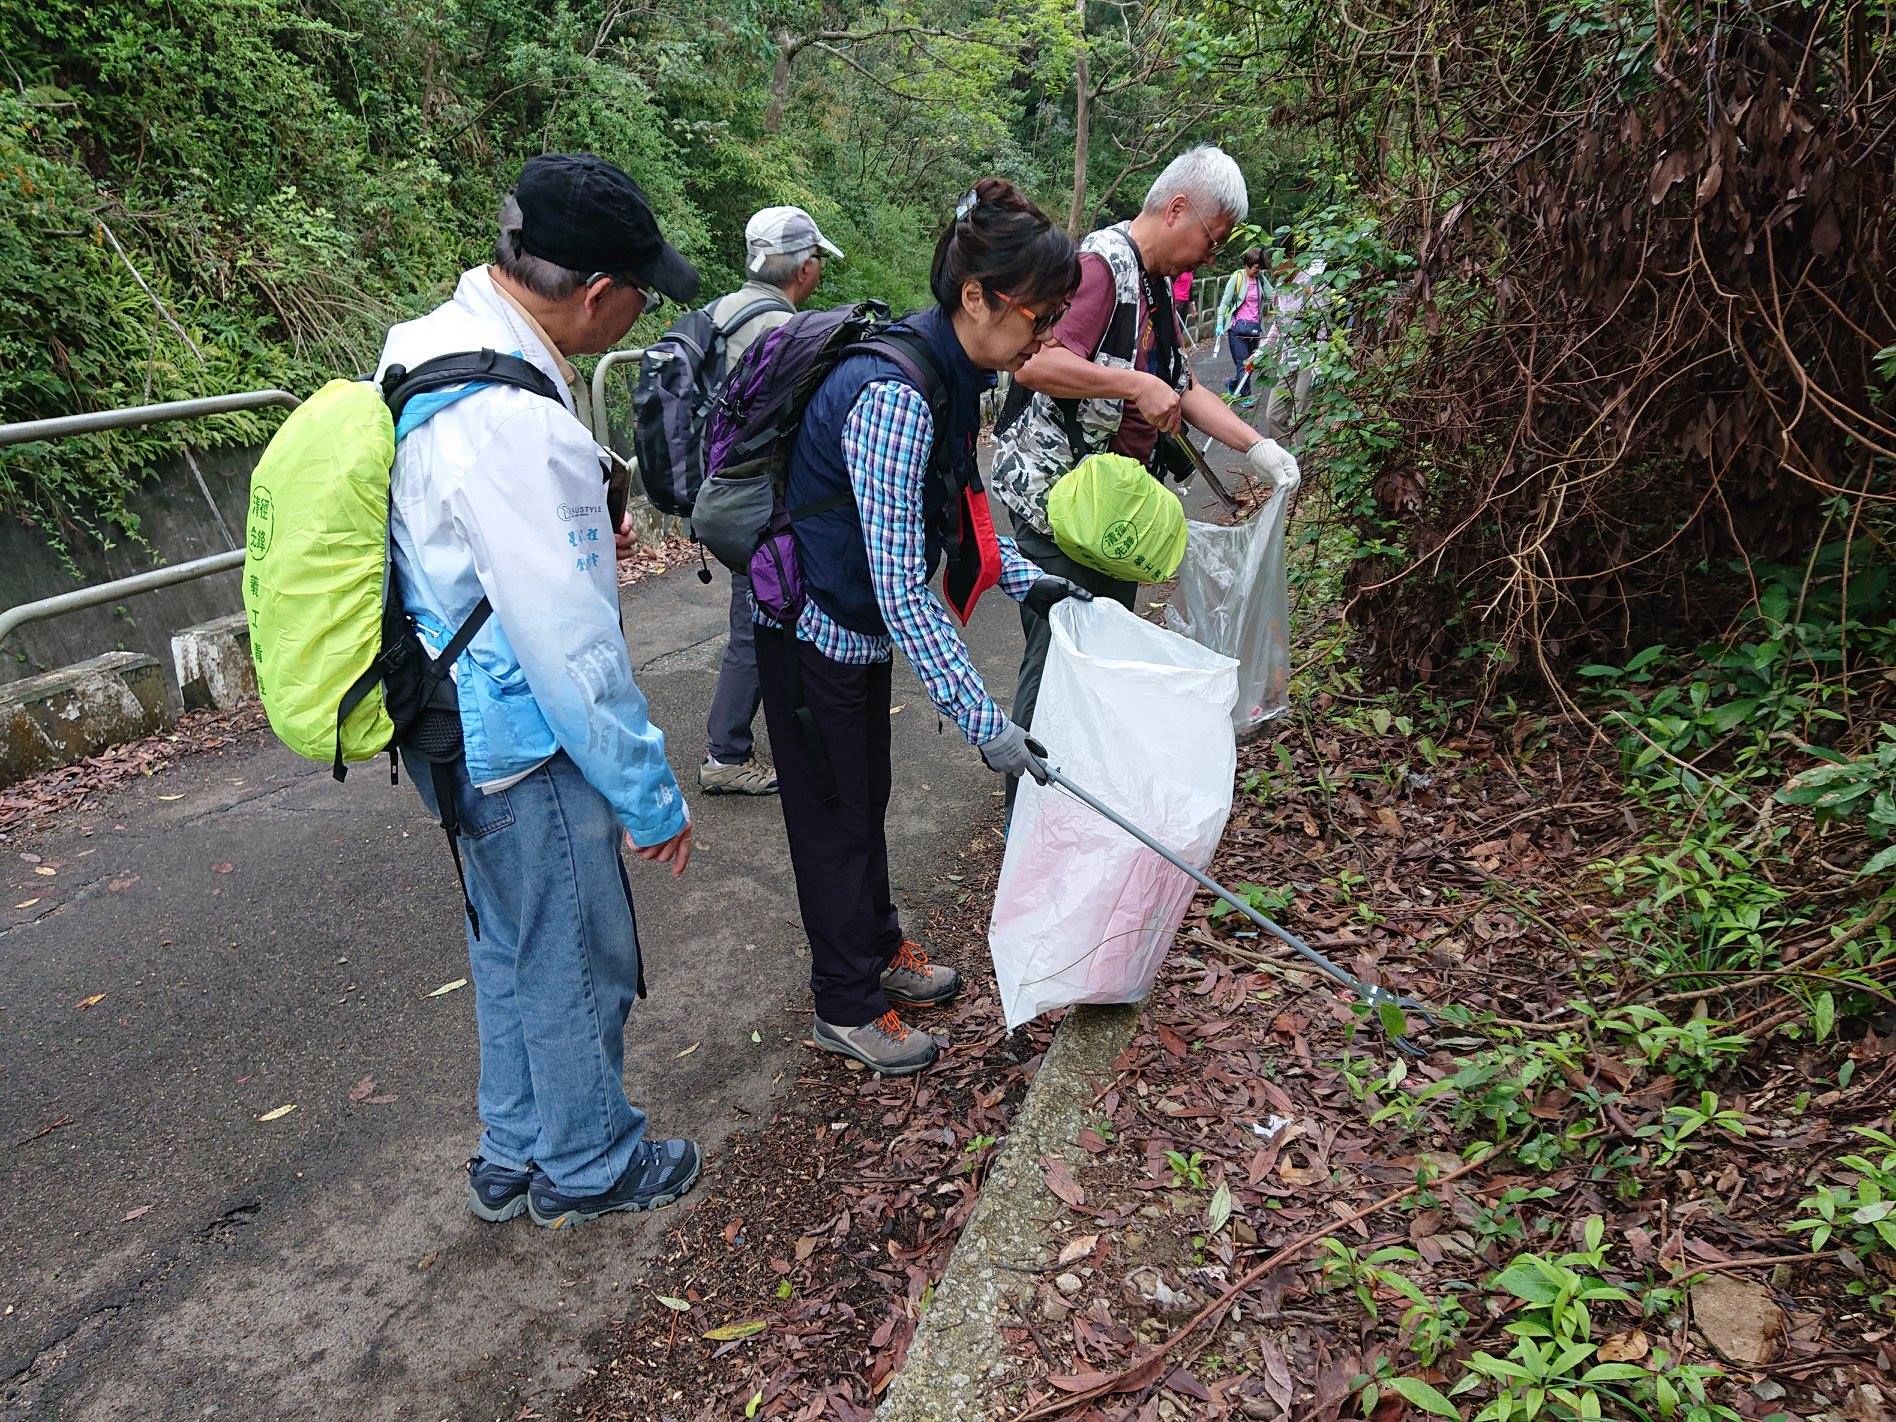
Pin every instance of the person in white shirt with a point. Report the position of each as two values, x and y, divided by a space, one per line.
499 493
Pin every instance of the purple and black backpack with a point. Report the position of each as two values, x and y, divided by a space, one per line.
739 513
679 377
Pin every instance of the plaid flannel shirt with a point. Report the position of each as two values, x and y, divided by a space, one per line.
886 442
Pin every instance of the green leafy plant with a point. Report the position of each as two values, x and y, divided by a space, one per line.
1684 1127
1364 1274
1691 1050
1502 1222
1860 788
1188 1171
1553 1370
1266 901
1861 1211
1494 1091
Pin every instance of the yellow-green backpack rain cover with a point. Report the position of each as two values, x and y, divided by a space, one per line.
1109 513
316 569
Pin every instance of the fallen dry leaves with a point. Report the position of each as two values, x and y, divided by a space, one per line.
829 1225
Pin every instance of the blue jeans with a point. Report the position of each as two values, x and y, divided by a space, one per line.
555 972
1243 338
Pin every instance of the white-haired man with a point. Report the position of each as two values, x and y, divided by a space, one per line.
1113 377
784 253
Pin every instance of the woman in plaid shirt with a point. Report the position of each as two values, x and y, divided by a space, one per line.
885 479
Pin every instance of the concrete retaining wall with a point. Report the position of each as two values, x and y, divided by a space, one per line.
179 522
62 716
192 508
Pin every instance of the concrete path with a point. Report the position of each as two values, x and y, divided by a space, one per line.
258 936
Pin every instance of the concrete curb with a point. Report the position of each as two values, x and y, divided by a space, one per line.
213 663
956 1363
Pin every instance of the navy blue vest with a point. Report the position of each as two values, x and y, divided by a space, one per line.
830 551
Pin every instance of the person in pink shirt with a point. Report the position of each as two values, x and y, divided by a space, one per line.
1247 295
1182 294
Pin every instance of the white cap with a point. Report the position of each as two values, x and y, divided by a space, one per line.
784 231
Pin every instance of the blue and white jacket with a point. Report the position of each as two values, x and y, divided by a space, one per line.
497 491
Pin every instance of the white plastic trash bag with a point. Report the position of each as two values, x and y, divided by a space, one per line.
1233 598
1140 718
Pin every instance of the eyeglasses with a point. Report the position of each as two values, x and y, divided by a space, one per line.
1210 236
654 299
1044 321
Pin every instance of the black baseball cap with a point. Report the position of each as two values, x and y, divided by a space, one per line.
580 212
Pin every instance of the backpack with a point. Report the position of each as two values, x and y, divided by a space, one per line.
342 674
754 422
740 514
679 377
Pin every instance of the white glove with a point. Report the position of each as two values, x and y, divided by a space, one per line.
1275 463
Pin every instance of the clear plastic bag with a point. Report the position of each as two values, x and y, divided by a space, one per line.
1234 599
1142 719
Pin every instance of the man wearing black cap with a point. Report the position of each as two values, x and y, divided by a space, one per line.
499 493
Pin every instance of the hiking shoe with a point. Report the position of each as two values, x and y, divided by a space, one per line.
496 1193
660 1172
885 1044
750 777
911 980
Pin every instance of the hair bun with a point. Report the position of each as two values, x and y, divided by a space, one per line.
998 192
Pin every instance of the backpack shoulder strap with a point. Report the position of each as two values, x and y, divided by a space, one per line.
912 356
487 367
747 314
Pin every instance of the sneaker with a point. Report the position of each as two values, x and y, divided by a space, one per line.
749 777
885 1044
911 980
660 1172
496 1193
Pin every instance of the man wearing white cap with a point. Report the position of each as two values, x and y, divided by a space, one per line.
784 255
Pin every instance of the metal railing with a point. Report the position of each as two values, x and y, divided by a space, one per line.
602 436
94 422
602 424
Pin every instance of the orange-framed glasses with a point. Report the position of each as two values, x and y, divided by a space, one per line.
1044 321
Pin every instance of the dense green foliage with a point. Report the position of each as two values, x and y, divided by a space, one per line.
209 196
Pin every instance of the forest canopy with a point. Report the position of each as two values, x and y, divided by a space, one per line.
213 195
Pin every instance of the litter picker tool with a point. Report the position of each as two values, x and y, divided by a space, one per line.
1201 468
1375 996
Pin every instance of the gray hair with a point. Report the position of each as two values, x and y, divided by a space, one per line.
781 268
1206 172
539 276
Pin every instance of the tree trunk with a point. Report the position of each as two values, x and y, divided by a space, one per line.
1082 121
780 81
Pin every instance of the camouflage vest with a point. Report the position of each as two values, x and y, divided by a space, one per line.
1035 434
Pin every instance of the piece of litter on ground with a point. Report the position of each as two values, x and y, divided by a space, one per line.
26 903
688 1051
134 1213
277 1114
447 988
46 871
171 797
1268 1129
85 1002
